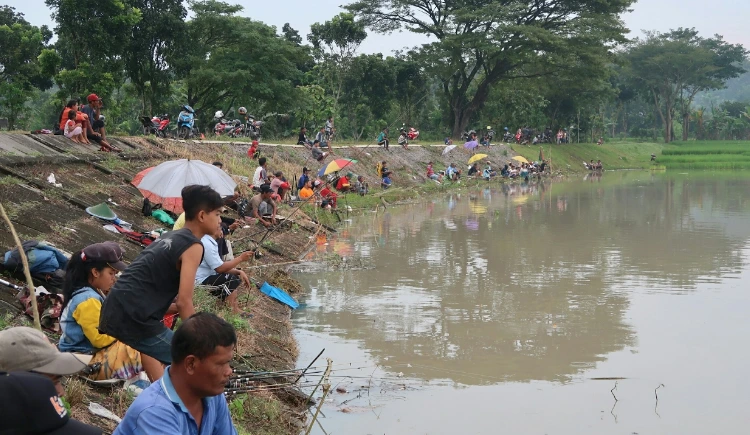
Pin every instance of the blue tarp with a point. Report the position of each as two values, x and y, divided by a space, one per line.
279 294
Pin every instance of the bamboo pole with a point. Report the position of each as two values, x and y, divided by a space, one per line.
26 272
326 389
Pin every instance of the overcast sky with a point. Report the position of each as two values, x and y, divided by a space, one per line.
725 17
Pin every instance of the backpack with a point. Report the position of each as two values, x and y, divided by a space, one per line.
147 209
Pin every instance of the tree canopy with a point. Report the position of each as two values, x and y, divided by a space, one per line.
671 68
478 44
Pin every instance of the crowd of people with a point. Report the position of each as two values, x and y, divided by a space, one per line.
116 328
474 170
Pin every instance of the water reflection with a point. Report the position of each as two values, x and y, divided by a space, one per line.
528 281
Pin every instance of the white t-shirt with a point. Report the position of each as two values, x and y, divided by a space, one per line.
211 259
259 177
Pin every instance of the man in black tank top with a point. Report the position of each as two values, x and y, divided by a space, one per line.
165 270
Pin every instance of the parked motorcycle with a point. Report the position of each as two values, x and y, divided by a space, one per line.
253 127
186 123
157 125
236 128
221 127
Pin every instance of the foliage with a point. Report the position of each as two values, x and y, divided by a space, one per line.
20 71
671 68
156 38
91 36
480 44
234 61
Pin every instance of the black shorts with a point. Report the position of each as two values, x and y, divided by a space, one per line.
225 284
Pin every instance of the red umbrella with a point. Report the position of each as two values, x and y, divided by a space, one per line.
172 204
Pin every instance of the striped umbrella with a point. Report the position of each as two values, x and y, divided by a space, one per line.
335 166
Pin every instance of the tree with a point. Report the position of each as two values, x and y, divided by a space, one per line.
481 43
673 67
157 37
336 42
92 35
21 44
290 34
236 61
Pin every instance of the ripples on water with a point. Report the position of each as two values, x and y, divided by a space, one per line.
539 283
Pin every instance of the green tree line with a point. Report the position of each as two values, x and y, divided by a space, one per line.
557 64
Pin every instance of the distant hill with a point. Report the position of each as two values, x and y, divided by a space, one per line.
737 89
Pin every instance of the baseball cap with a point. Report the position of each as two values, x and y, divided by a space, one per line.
31 405
109 252
26 349
317 183
93 97
265 188
305 169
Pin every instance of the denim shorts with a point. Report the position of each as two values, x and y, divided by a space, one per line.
157 347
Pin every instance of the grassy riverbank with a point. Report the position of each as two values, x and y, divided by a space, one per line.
614 155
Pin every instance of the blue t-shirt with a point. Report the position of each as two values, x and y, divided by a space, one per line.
302 180
159 410
211 259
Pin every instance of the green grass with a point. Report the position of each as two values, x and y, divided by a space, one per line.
261 413
706 155
614 155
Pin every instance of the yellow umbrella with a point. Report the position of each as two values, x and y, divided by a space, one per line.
476 158
521 159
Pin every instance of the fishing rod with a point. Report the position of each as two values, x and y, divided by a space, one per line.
310 365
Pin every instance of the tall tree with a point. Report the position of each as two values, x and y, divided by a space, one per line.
157 37
335 43
480 43
234 61
92 35
673 67
21 44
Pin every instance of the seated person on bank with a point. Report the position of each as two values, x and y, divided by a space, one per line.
488 172
386 181
329 197
95 129
25 349
223 275
303 178
317 153
302 138
31 369
190 398
361 186
162 279
306 193
431 173
474 170
73 130
89 277
263 207
344 183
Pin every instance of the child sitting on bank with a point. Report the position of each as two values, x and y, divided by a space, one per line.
90 275
72 130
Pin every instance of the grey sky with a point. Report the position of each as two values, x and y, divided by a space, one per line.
725 17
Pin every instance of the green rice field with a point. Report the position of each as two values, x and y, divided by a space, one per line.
706 155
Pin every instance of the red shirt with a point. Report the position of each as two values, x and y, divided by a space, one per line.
343 184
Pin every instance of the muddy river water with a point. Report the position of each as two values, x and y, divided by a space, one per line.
611 305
